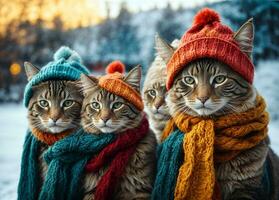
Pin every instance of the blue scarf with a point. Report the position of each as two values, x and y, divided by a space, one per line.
170 154
66 160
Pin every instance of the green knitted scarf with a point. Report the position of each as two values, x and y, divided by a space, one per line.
66 160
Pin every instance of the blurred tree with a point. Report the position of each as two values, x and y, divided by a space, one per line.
24 40
118 38
266 16
8 53
168 27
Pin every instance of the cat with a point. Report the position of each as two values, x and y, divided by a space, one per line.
154 93
104 112
53 108
208 87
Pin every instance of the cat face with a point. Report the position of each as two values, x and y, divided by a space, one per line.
208 87
105 112
55 105
154 89
154 100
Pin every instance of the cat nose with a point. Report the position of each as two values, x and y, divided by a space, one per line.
105 115
52 121
203 99
158 103
105 119
157 106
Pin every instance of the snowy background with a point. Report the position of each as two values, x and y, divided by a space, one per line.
28 32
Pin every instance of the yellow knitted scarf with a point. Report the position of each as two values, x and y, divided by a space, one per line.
208 141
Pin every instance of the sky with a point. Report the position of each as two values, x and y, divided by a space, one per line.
78 12
141 5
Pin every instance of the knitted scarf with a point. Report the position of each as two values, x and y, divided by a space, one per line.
117 154
67 159
49 138
192 145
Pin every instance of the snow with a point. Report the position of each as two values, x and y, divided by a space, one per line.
13 125
267 82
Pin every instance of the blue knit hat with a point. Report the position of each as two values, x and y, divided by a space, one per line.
67 65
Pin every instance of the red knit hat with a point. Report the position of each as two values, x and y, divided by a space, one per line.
208 38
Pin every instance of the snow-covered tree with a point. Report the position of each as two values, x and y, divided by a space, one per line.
266 16
168 27
118 38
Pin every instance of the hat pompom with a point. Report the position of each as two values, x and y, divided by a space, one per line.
206 16
115 66
68 54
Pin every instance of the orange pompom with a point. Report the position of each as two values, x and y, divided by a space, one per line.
206 16
115 66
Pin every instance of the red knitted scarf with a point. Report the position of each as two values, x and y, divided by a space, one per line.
117 154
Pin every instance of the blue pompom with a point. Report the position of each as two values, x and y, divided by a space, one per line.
68 54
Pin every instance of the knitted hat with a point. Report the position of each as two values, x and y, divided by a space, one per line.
208 38
67 65
114 82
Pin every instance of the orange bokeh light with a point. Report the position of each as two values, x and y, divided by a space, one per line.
15 69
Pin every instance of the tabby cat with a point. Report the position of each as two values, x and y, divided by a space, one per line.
104 112
208 87
54 108
154 92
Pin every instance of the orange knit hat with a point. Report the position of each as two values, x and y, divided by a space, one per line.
208 38
114 82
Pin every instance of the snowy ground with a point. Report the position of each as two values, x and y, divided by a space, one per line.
13 125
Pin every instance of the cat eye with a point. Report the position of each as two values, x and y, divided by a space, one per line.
117 105
152 93
219 79
189 80
43 103
96 105
68 103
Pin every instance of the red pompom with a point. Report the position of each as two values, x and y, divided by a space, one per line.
115 66
206 16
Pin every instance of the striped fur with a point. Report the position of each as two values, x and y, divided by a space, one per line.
104 112
55 93
154 92
197 84
240 177
100 114
207 87
55 106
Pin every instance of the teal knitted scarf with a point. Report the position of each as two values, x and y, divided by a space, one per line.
170 155
66 160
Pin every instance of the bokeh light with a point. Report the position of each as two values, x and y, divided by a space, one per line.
15 69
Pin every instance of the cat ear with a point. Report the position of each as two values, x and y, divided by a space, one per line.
164 50
87 82
245 37
133 78
30 70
